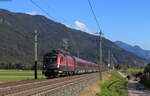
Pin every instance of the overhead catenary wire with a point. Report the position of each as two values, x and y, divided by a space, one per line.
33 2
43 10
56 16
36 60
47 12
100 38
94 15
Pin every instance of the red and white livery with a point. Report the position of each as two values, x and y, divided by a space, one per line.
56 63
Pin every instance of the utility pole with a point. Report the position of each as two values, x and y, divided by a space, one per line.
101 54
109 59
78 52
35 54
112 61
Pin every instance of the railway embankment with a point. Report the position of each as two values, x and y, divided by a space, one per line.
94 88
114 86
65 86
74 88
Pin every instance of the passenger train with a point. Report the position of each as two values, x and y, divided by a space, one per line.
56 63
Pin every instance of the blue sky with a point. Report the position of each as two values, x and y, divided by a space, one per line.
123 20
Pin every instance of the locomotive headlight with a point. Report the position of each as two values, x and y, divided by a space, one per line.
44 66
60 71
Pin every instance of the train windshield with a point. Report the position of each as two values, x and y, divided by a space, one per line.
50 59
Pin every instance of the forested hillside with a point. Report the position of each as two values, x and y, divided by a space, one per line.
16 37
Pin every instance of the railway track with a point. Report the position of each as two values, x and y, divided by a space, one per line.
42 87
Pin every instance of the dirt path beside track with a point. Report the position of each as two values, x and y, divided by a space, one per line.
135 88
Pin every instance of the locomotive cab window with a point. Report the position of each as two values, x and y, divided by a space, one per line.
53 59
50 59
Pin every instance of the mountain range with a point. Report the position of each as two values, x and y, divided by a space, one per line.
134 49
17 40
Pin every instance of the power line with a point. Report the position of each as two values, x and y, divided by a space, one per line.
100 41
33 2
47 13
50 7
94 15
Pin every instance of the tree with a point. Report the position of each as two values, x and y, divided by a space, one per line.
147 69
118 66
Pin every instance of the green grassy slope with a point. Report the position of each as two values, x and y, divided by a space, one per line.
132 71
114 86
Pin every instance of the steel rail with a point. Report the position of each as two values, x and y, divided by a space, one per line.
48 87
56 88
36 85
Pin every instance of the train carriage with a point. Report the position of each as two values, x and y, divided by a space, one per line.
56 63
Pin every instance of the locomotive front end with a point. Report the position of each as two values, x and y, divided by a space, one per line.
50 64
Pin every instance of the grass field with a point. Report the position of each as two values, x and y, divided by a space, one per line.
114 86
15 75
132 71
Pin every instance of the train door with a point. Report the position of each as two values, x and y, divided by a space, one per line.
74 65
66 59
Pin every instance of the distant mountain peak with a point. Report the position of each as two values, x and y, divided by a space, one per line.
136 46
134 49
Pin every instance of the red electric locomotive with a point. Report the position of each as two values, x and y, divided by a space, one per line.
55 63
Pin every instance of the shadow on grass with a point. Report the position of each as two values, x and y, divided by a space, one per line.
108 87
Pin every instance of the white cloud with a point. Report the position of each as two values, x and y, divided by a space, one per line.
81 26
33 13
